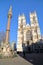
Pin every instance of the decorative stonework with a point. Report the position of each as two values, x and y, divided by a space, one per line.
6 50
27 33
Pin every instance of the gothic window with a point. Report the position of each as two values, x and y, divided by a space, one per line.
21 32
34 19
21 23
31 37
35 36
35 31
28 35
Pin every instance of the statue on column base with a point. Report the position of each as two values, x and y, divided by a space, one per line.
6 50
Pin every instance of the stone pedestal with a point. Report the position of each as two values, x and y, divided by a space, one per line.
7 51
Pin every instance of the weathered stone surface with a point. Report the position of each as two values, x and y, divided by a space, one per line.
6 51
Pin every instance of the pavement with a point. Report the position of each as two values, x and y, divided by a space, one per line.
29 59
33 58
14 61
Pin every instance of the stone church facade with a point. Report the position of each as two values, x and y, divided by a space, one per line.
27 33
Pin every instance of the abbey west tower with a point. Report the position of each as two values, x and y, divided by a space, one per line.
35 29
27 34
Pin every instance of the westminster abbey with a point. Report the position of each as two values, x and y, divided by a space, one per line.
27 33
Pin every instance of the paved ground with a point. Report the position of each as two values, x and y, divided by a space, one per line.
29 59
34 58
15 61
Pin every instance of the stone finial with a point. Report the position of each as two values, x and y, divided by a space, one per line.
10 12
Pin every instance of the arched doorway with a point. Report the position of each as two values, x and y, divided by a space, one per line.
28 38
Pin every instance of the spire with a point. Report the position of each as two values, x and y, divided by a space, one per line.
10 12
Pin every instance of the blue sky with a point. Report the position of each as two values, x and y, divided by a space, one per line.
19 7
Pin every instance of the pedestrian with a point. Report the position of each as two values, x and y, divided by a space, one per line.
24 53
